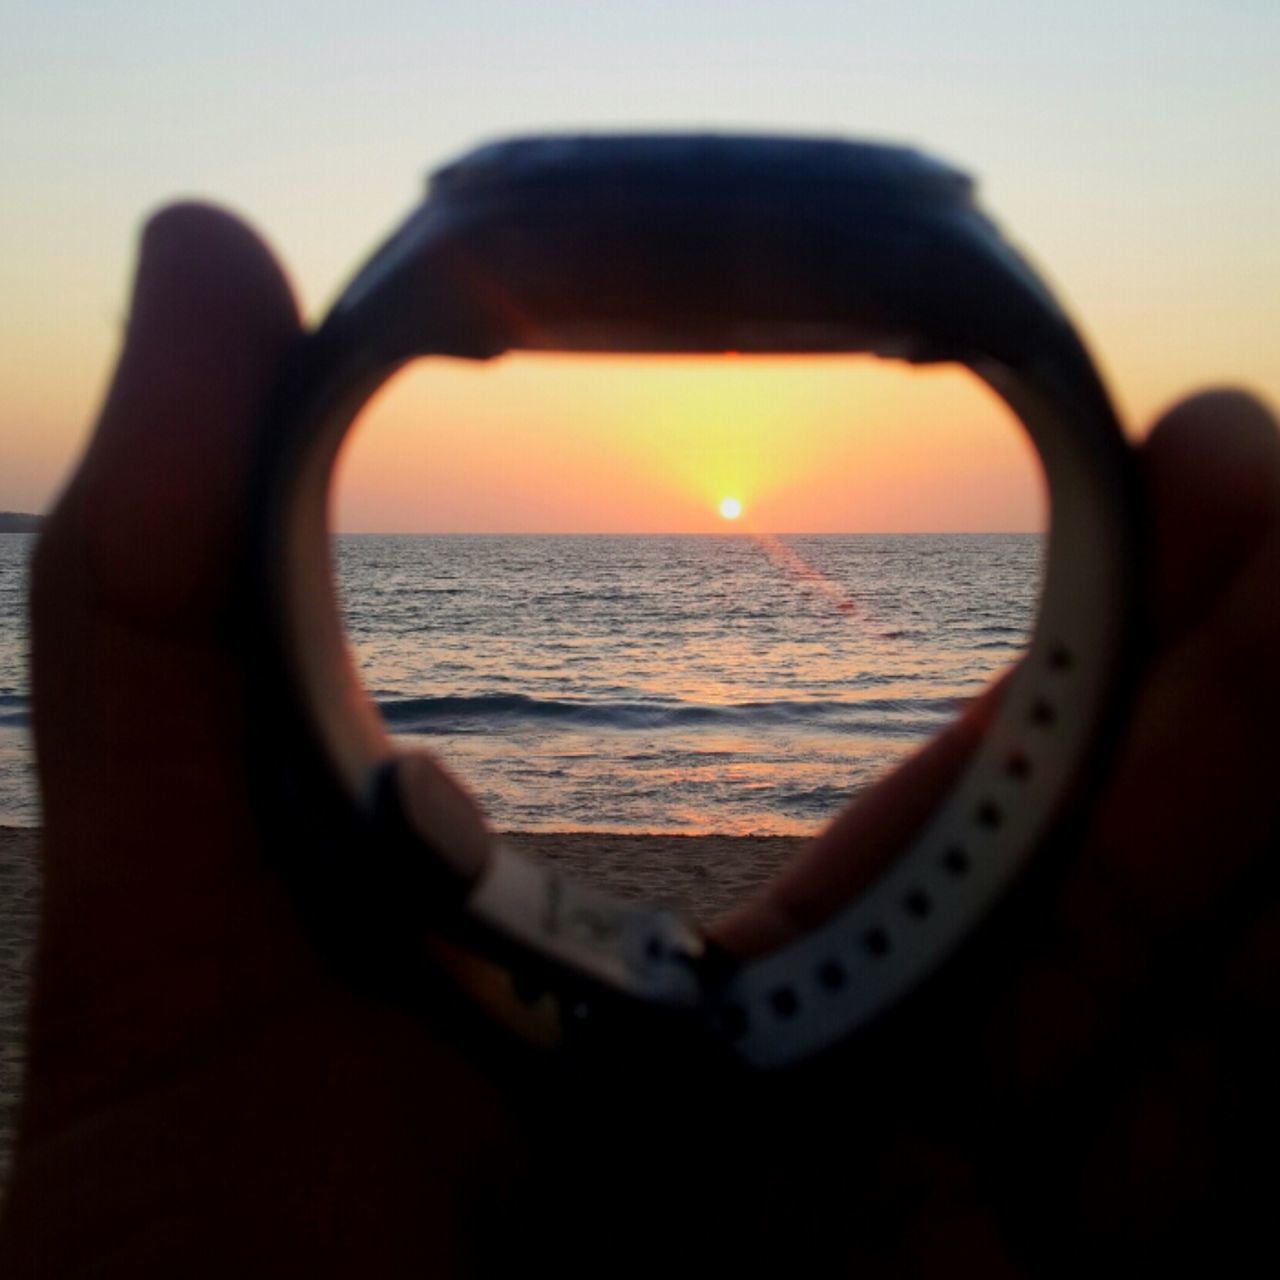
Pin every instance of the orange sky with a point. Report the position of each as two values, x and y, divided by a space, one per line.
1128 148
643 444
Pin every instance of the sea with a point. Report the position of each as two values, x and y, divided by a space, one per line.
735 684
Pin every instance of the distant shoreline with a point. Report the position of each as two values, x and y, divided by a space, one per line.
20 522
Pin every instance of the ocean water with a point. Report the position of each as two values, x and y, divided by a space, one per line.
733 683
18 800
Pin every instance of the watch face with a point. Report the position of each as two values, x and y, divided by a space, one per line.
740 163
698 243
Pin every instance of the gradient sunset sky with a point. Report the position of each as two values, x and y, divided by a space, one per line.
1132 148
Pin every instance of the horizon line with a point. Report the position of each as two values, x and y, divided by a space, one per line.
684 533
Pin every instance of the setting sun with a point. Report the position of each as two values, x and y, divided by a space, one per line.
730 508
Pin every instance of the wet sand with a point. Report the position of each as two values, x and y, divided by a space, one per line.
702 875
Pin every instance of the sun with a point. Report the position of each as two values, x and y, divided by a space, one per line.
730 508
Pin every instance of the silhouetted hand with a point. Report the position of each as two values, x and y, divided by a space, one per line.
204 1097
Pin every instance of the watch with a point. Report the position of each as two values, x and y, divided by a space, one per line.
696 243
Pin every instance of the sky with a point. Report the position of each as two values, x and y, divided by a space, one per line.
1130 148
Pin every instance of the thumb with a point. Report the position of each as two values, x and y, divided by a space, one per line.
139 711
132 576
164 481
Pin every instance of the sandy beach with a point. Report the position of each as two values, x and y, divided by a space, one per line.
703 875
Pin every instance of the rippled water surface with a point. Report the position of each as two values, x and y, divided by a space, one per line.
684 683
680 683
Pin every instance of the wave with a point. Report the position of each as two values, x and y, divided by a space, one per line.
457 713
15 710
480 713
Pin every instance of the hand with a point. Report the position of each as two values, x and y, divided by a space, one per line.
1120 1061
203 1095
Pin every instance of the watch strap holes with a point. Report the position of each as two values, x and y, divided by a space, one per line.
785 1002
1018 765
876 943
918 904
1042 713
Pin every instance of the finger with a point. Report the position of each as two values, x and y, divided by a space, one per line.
1212 467
443 813
131 579
134 692
858 845
1192 801
139 710
164 482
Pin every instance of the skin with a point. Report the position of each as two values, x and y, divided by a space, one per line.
204 1096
